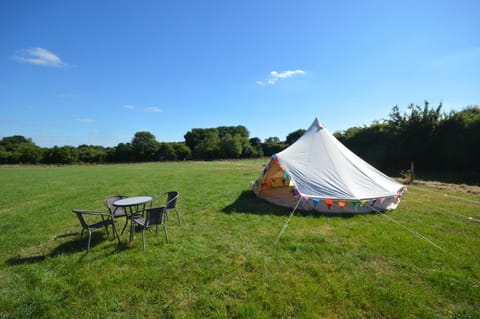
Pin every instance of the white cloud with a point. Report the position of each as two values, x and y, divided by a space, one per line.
86 120
153 109
275 76
38 56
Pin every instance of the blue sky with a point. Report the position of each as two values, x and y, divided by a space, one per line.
96 72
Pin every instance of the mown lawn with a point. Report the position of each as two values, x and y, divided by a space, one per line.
221 261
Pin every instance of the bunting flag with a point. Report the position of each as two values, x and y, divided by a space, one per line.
295 192
304 200
285 175
282 168
329 203
356 204
275 159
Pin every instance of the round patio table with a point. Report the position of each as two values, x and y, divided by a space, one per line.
134 206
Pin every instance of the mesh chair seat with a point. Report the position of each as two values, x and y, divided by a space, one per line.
154 216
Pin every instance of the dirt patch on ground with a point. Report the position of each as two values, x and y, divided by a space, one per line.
470 189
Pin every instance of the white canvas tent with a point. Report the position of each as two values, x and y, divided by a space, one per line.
318 172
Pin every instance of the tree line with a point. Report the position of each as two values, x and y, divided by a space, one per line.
425 135
431 138
224 142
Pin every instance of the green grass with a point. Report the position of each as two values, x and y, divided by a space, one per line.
222 261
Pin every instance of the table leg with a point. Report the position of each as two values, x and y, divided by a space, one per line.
132 224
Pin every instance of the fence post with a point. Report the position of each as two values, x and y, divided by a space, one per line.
412 174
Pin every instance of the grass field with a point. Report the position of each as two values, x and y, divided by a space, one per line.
221 261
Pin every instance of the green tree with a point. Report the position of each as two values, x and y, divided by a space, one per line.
182 151
166 152
294 136
207 143
61 155
272 145
19 149
122 153
11 142
231 146
91 154
29 153
272 140
4 155
209 147
233 130
255 141
457 140
145 146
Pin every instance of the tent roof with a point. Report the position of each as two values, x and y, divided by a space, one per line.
321 166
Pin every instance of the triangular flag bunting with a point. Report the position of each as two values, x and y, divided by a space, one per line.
329 203
356 204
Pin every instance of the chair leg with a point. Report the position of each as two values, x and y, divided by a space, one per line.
124 226
165 231
89 239
115 234
178 216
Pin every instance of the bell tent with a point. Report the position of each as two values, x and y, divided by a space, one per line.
318 172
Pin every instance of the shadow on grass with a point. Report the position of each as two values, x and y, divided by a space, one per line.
69 247
248 203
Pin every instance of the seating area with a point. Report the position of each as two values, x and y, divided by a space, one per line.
135 212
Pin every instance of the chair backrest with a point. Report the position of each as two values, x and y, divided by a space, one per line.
82 220
171 200
155 216
112 199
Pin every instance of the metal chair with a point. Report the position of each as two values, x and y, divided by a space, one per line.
116 212
154 216
171 203
105 222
